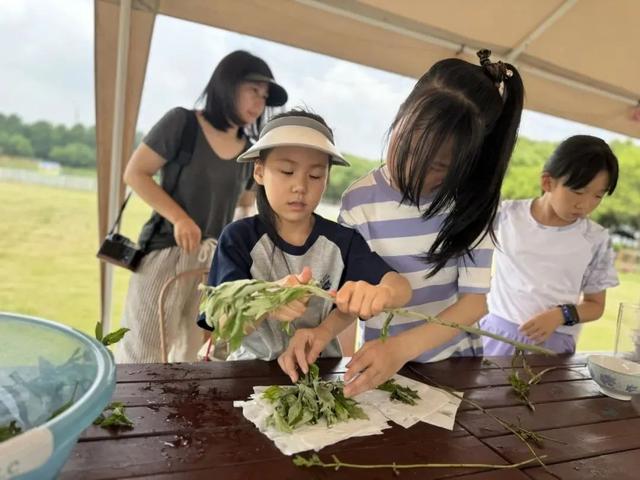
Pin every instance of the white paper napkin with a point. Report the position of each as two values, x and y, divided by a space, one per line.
309 437
431 400
435 406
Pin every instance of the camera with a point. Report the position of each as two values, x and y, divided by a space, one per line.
119 250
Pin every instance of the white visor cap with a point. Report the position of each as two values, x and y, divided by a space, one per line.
295 131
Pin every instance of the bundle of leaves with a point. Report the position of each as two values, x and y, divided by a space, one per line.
235 308
309 401
400 393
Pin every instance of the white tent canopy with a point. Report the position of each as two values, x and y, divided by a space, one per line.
578 58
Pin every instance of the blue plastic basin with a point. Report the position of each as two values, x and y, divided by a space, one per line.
54 382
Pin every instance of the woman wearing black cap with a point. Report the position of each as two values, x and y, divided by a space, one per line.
201 186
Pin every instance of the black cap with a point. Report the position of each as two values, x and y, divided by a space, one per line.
277 94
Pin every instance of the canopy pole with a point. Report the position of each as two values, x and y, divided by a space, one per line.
117 136
540 29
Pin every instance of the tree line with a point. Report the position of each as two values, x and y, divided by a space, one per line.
75 146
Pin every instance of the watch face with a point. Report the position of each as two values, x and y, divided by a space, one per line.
570 315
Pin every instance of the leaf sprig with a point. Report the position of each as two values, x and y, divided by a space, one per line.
309 401
116 419
400 393
234 308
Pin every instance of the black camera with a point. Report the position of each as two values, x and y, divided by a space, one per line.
120 251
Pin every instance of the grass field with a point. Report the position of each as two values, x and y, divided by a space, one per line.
48 241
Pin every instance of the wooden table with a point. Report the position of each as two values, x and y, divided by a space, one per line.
187 428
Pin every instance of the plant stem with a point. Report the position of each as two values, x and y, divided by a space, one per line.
518 431
314 461
477 331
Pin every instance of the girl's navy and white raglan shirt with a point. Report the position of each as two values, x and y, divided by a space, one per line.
335 254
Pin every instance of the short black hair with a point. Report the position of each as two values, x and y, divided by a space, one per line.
265 212
578 159
219 95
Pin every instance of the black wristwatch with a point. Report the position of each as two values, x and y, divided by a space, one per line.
570 314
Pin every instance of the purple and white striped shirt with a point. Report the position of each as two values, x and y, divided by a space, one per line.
400 236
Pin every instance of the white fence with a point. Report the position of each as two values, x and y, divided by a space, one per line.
62 181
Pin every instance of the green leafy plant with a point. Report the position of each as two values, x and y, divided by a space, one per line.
114 420
309 401
110 338
399 393
242 304
233 309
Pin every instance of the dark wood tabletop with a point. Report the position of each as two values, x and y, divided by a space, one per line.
187 428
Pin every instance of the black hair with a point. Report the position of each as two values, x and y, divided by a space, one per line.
219 95
265 212
579 159
461 103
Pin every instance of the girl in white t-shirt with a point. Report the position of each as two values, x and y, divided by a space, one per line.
553 264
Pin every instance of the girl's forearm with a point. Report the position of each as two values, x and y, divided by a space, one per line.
589 311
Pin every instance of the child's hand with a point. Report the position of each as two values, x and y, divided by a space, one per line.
363 299
540 327
304 348
375 363
295 309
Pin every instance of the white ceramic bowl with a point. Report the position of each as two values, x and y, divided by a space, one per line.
616 377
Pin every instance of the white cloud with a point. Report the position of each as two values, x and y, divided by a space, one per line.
47 60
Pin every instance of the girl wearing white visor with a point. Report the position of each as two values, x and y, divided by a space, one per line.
288 241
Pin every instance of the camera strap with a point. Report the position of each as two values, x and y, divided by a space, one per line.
115 228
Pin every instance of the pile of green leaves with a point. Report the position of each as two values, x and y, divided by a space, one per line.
399 393
309 401
243 303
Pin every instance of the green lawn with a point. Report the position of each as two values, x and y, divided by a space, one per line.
48 241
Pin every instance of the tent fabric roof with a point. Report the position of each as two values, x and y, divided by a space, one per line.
578 58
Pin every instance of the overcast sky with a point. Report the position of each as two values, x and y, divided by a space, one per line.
46 72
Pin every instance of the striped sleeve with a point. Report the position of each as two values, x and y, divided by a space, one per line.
474 271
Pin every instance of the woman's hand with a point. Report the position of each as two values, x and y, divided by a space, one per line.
187 234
